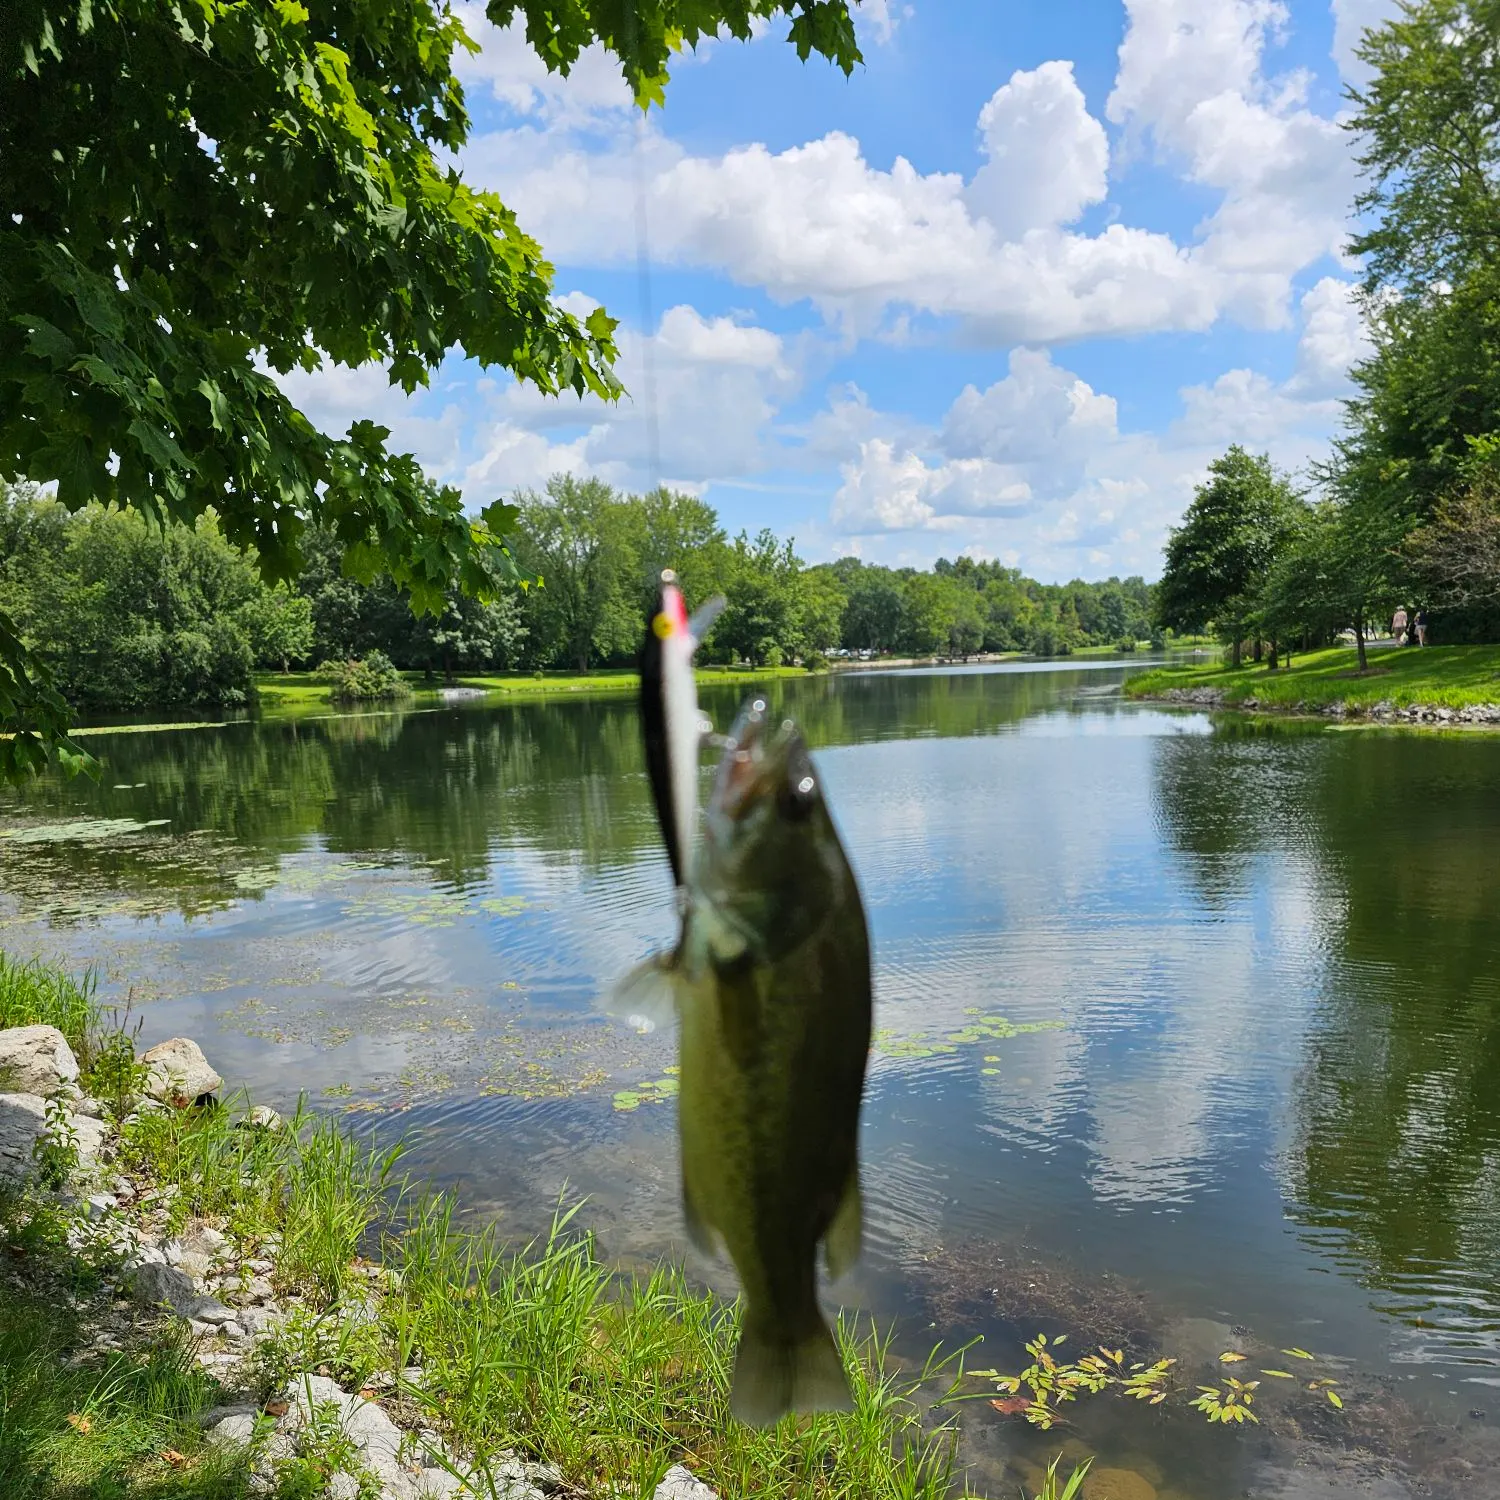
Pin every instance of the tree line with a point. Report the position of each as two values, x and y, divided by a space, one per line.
128 615
1405 509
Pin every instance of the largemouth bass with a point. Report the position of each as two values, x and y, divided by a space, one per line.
770 983
670 720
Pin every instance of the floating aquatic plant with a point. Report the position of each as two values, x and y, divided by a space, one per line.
909 1046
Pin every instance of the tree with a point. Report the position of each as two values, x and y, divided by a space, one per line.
875 611
577 540
279 623
1217 559
193 193
1456 554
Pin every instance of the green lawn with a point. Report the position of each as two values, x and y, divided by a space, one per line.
288 694
1444 676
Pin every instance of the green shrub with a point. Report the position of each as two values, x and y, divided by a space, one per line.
373 679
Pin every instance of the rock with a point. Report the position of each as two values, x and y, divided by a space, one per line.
101 1205
379 1448
23 1120
197 1266
232 1431
1117 1484
205 1240
153 1283
257 1289
258 1320
679 1484
123 1189
36 1060
178 1072
263 1117
234 1330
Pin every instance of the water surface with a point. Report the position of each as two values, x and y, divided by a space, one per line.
1188 1028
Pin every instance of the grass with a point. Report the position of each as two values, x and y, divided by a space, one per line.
1443 676
38 994
543 1349
293 693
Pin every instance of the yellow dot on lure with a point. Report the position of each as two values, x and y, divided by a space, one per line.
662 625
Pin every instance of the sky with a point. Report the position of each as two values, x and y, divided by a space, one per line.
1004 292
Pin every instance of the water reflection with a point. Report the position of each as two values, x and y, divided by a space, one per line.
1148 983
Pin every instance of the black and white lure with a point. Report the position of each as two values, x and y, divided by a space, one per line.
670 720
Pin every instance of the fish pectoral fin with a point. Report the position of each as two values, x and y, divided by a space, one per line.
702 618
842 1243
773 1376
704 1237
647 996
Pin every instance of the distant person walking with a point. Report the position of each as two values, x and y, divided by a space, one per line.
1420 626
1398 624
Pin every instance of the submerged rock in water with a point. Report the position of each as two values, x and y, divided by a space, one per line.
178 1072
1117 1484
36 1060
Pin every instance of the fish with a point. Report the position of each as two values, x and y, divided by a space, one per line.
770 985
672 725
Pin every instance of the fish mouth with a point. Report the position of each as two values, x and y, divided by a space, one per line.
750 761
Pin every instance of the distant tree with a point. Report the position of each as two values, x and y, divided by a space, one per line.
1456 554
577 539
874 616
279 624
467 633
1217 559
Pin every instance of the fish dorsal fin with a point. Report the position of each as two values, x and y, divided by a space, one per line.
646 998
702 619
842 1243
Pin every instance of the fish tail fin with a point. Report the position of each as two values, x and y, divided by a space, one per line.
773 1376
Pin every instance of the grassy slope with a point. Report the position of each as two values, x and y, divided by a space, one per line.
1445 676
301 692
545 1351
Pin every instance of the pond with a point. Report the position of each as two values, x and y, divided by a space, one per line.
1188 1027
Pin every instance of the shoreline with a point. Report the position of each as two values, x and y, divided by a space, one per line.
276 1312
1383 714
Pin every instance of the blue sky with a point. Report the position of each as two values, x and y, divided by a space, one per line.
1007 290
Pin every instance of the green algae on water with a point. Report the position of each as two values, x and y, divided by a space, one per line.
911 1047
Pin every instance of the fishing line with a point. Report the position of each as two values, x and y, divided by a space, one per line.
643 278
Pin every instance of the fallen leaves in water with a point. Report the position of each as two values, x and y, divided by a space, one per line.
1011 1406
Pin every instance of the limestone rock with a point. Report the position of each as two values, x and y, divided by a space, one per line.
380 1448
263 1117
36 1060
232 1431
23 1120
178 1072
679 1483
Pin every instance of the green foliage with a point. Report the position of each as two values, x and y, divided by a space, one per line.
195 192
645 33
125 616
336 1193
1055 1489
34 993
55 1149
1218 559
373 679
